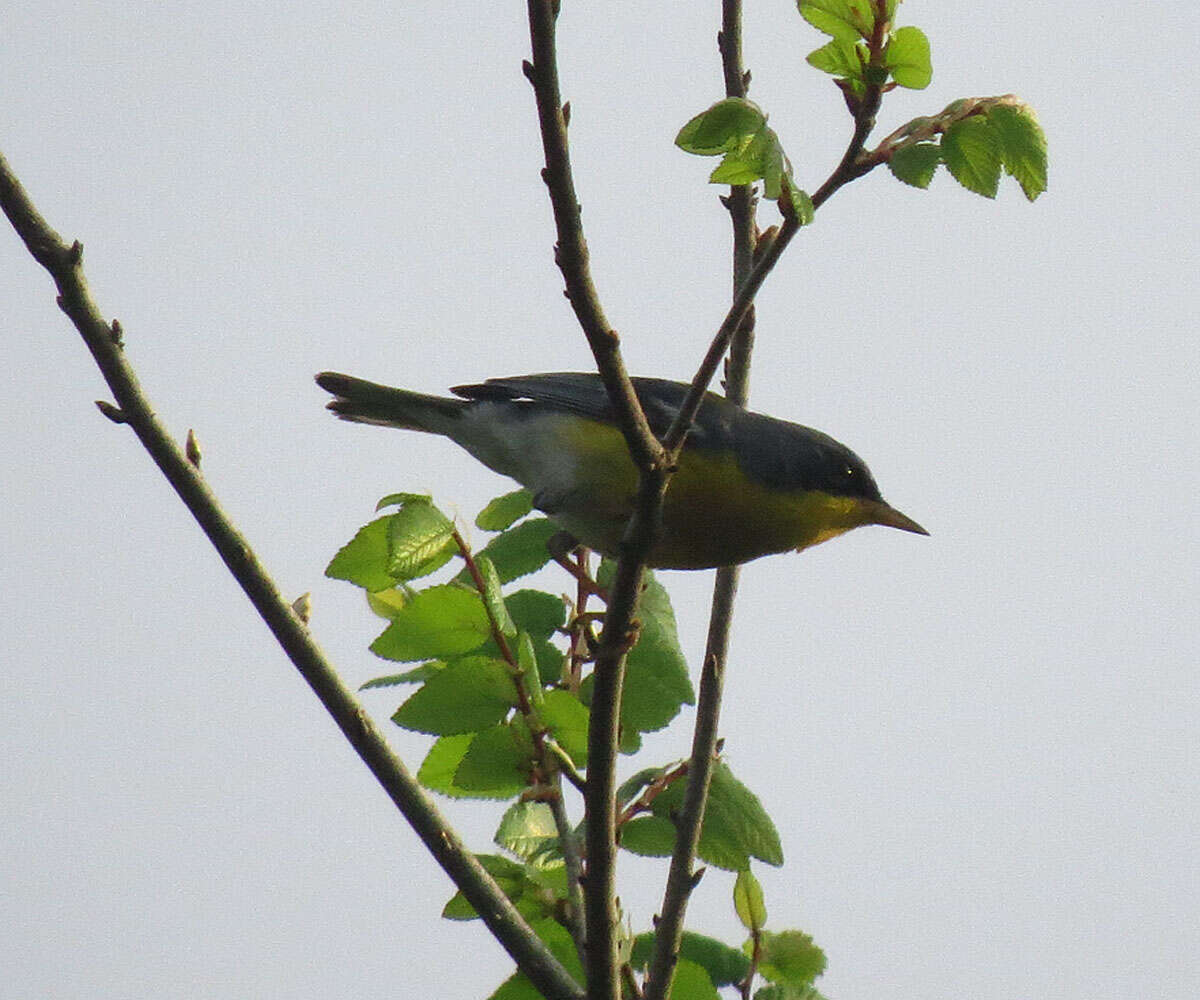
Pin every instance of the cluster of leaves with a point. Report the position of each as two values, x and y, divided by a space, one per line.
788 961
978 140
736 130
862 51
503 683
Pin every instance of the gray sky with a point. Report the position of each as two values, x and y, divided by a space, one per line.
980 748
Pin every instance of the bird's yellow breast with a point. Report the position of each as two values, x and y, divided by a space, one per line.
713 513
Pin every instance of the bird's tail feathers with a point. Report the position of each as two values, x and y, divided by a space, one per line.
370 403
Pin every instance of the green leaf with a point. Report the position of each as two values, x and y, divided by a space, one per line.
803 206
779 992
509 877
724 126
556 938
916 164
363 560
496 764
691 982
420 540
632 786
847 20
790 958
528 666
516 987
656 676
457 908
527 829
829 24
540 614
735 817
725 965
907 56
972 153
1022 145
418 675
400 499
748 901
493 599
519 550
738 129
749 160
501 512
385 603
549 661
468 695
547 870
439 622
777 168
567 719
736 828
536 612
841 59
649 836
437 770
735 169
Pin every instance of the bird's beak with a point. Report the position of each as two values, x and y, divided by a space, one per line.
881 513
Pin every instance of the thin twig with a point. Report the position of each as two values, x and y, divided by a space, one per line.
102 339
652 791
566 764
551 760
853 165
571 252
648 456
740 203
574 868
736 334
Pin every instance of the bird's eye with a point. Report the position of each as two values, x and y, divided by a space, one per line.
850 471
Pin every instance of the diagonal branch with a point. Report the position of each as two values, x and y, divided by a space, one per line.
103 340
571 251
852 166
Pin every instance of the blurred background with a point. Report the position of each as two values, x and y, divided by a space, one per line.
980 748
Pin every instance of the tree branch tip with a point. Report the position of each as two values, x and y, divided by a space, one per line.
75 254
566 113
118 332
192 450
302 605
697 875
527 70
114 413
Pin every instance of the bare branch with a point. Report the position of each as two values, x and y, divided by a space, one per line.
571 252
64 264
654 470
736 334
680 878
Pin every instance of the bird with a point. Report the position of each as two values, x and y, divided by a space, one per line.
746 485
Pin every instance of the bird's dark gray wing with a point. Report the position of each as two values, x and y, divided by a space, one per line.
584 393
